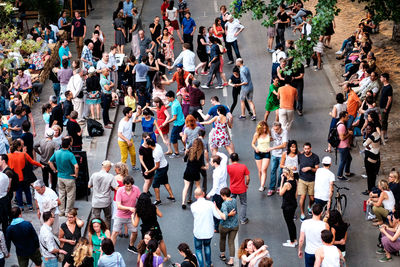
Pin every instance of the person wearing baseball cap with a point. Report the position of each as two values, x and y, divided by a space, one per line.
324 178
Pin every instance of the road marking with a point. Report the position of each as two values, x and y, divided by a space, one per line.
225 92
236 260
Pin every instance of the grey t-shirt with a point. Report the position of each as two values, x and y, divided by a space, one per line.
103 183
45 148
141 72
279 139
144 44
136 20
191 135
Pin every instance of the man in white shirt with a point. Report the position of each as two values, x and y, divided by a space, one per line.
203 212
161 171
75 85
232 30
310 232
328 254
125 140
48 244
104 63
187 57
47 200
323 188
219 161
114 65
5 184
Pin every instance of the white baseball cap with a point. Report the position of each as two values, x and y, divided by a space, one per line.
327 160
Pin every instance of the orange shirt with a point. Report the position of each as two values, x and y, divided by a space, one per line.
352 103
16 161
175 78
287 95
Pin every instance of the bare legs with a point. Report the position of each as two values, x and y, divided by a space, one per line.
147 184
262 166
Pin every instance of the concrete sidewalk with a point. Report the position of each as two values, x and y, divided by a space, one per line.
97 147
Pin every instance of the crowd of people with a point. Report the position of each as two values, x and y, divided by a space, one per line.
95 82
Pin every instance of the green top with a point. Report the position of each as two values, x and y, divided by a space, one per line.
272 102
65 161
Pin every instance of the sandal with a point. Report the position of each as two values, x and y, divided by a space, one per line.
222 257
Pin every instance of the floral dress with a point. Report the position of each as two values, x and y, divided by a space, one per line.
168 48
220 136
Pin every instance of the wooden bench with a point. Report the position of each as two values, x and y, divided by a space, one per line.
30 15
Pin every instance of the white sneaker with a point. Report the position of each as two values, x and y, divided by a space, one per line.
339 52
288 241
289 245
261 188
204 86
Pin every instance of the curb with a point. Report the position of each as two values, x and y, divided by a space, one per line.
140 4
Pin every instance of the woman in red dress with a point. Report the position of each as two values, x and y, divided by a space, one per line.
163 117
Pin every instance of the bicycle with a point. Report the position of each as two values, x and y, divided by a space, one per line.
340 202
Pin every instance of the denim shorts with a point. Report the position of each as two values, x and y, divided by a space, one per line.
176 130
262 155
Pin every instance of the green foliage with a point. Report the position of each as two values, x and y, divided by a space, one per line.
384 9
326 10
8 36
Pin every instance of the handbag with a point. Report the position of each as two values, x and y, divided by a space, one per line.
59 256
27 172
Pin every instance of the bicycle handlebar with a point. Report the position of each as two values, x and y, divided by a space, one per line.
340 188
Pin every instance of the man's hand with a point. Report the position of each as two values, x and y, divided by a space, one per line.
306 169
132 209
232 213
300 254
62 252
72 242
130 143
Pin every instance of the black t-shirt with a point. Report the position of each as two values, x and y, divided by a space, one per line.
188 263
57 115
87 261
28 142
147 154
283 17
310 161
78 27
97 49
387 91
297 73
93 83
68 107
236 81
157 31
73 129
27 108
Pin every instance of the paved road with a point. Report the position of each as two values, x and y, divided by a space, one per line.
266 220
264 212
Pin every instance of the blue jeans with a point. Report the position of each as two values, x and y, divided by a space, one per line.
345 42
345 161
217 199
198 246
57 88
243 205
309 259
229 46
50 262
23 187
275 162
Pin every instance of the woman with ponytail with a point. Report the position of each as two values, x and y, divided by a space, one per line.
150 258
190 259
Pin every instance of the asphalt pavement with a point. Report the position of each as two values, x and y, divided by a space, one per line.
266 219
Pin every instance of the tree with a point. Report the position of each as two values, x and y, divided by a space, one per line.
325 11
386 10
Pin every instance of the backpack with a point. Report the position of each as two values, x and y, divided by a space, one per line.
95 128
333 136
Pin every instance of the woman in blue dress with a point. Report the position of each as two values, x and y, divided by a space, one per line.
148 123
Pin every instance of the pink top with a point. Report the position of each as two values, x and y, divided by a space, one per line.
128 200
120 184
341 128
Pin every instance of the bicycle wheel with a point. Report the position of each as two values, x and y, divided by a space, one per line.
343 204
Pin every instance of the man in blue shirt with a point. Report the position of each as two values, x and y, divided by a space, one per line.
214 65
67 171
178 119
106 98
189 27
247 90
64 53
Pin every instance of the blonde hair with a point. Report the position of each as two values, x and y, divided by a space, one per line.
81 251
260 128
288 171
395 176
123 169
383 183
196 150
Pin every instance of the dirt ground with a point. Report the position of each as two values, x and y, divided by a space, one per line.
387 53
